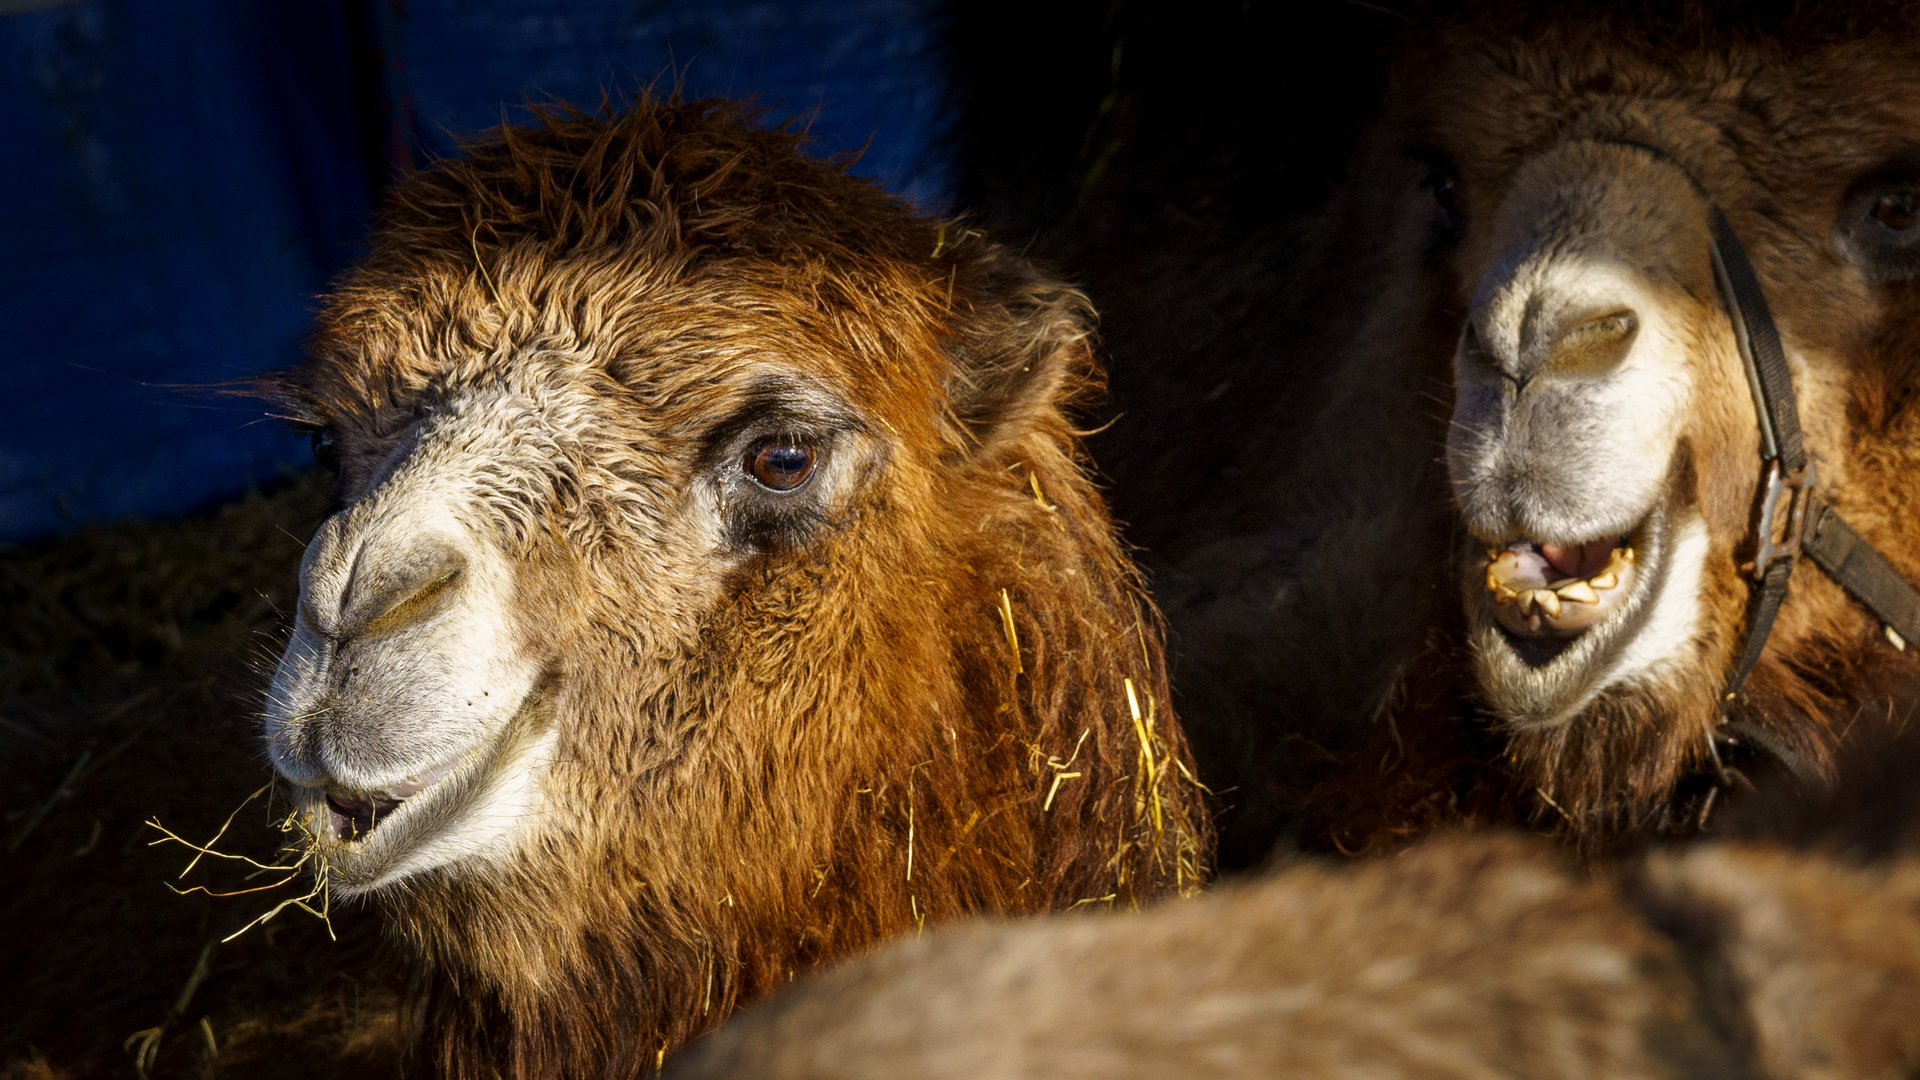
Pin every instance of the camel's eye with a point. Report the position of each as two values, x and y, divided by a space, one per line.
325 451
1879 226
1899 210
1442 181
775 472
780 464
1448 199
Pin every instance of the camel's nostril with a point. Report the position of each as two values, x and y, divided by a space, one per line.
1592 348
397 587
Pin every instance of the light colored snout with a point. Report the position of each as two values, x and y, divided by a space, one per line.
404 659
1574 373
1591 335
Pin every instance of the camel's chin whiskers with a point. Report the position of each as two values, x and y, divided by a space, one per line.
1540 659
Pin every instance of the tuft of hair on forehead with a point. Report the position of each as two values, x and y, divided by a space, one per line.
706 178
555 231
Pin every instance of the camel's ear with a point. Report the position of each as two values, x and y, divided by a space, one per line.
1024 347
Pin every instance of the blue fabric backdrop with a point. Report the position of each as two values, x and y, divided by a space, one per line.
184 176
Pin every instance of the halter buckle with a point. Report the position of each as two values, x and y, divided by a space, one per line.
1783 516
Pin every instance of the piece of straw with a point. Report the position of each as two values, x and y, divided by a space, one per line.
1058 779
1013 635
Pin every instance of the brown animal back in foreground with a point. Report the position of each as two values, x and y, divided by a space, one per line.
717 589
1461 957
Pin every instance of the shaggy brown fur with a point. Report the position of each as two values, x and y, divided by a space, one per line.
835 741
1462 957
1777 121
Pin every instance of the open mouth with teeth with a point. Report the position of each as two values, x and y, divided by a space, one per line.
1555 622
1545 590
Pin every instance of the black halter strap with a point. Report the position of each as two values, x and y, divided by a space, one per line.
1792 520
1788 484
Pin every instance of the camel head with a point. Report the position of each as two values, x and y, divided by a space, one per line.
1604 446
715 587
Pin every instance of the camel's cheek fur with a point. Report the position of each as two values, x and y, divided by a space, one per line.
709 727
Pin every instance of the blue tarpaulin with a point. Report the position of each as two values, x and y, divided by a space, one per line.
182 179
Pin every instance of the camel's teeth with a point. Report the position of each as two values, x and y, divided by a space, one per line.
1547 602
1604 580
1504 595
1578 590
1499 569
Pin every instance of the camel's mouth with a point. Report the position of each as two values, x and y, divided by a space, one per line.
1554 622
1542 590
352 816
466 805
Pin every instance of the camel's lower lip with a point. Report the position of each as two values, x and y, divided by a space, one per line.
374 834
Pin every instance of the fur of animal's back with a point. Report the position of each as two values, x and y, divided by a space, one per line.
1466 958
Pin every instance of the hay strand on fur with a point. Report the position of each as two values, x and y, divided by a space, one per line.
1013 635
1033 479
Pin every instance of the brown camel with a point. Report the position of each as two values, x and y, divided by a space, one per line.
716 589
1534 477
1461 957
